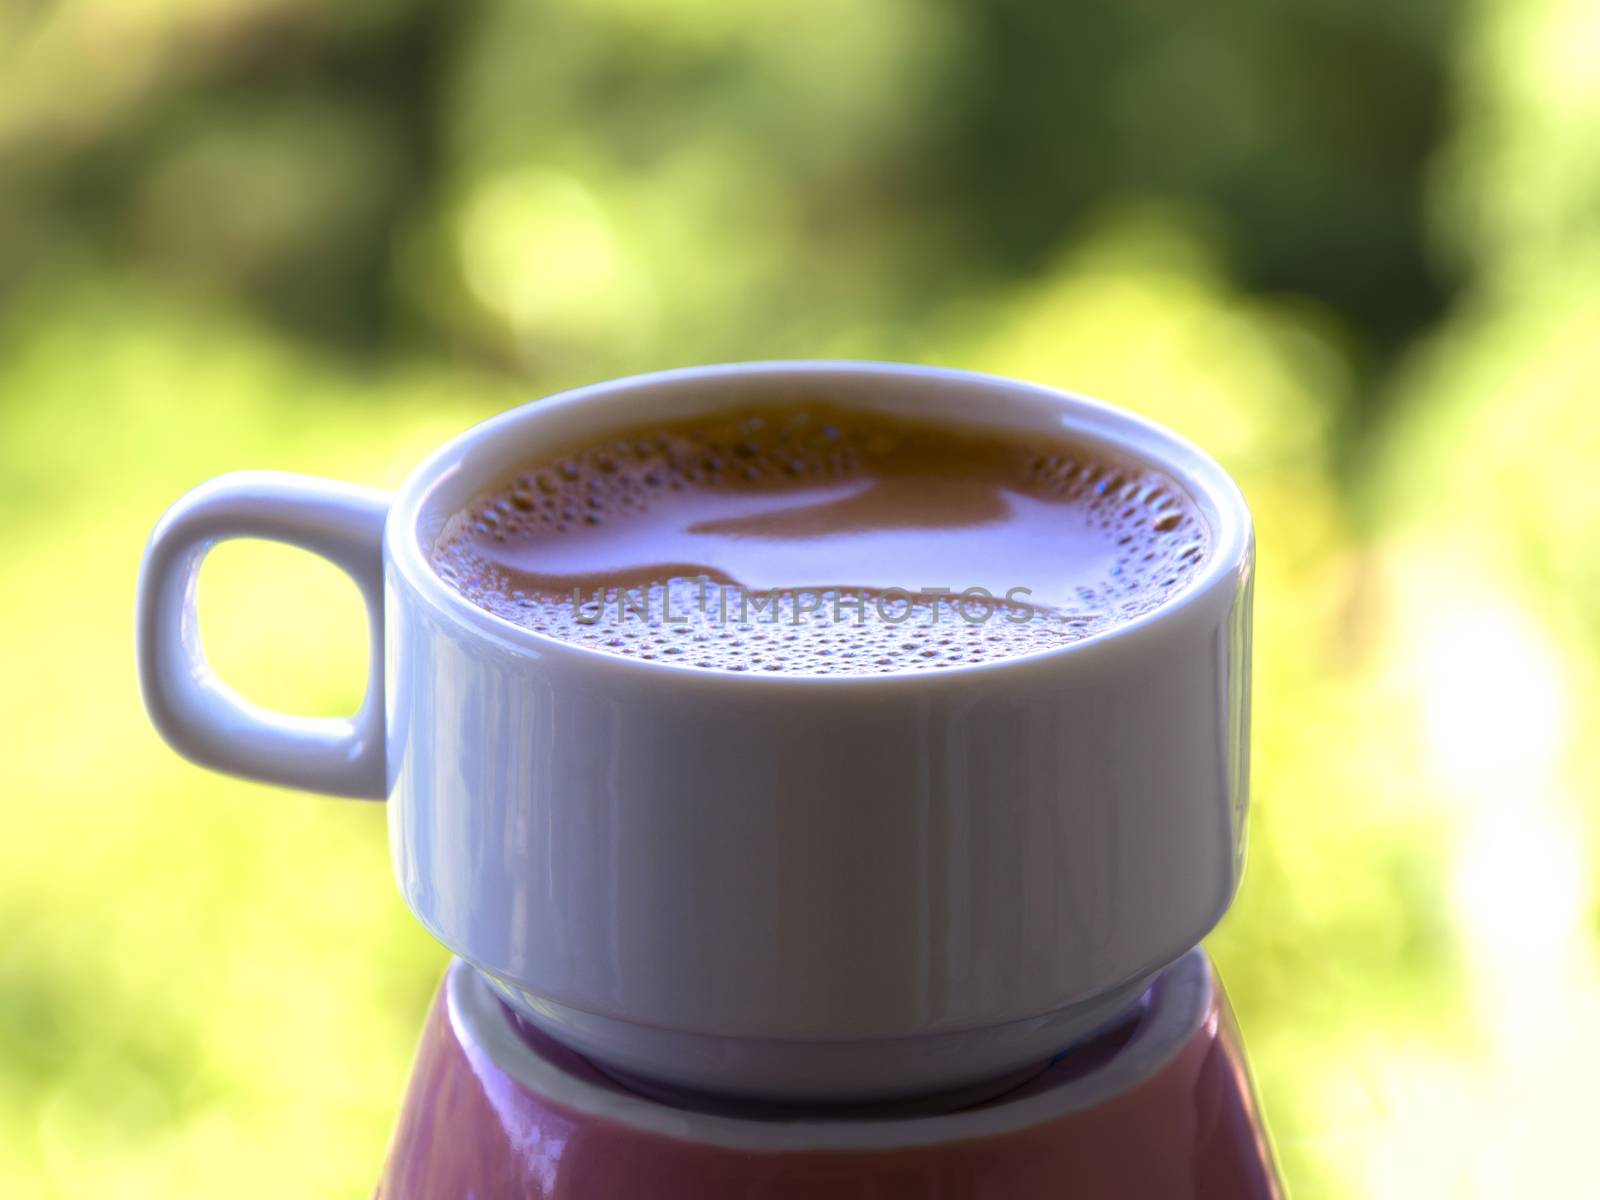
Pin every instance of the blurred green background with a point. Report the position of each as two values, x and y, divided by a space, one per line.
1352 248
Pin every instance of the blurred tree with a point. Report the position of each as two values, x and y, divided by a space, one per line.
747 179
261 152
1302 131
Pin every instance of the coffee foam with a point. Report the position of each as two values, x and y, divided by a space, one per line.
1138 529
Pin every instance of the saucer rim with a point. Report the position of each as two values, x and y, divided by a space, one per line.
1180 1006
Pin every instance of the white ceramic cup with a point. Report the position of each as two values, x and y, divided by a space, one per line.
769 885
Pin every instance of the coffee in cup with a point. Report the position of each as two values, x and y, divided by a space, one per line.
819 540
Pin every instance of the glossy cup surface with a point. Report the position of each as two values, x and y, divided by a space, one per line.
815 888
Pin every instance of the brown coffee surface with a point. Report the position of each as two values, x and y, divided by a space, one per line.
820 541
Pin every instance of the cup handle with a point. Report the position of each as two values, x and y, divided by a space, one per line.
199 715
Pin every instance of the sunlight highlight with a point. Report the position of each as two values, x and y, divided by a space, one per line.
1494 714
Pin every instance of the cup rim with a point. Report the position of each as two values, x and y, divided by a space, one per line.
1214 491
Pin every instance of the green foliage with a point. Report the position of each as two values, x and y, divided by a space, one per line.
1346 247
